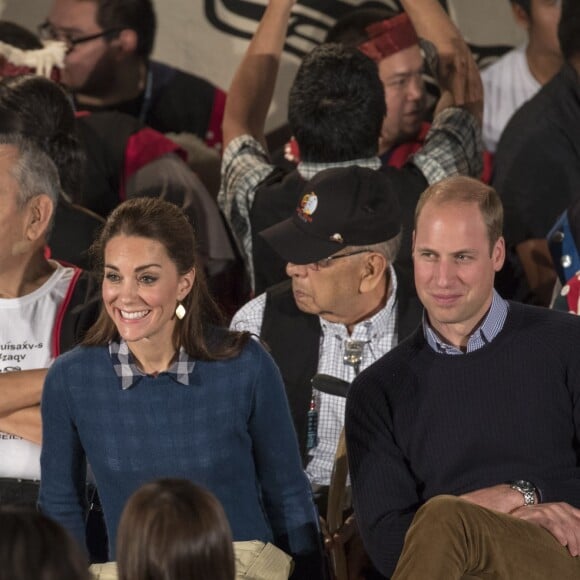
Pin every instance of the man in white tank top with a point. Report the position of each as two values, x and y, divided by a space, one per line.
37 299
518 75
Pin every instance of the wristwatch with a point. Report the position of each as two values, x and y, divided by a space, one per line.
527 489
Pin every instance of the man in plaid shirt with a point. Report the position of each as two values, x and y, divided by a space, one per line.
336 111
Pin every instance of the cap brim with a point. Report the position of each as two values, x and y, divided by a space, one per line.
294 245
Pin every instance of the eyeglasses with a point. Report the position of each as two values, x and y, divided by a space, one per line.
46 31
325 262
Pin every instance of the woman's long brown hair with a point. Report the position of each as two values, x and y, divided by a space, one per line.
159 220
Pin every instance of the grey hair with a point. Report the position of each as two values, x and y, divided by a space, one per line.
388 249
34 171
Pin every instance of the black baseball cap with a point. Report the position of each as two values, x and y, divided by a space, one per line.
339 207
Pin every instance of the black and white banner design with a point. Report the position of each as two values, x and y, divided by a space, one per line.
311 20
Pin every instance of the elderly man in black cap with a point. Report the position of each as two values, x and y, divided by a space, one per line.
344 305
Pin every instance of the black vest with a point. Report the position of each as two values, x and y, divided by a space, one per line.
293 338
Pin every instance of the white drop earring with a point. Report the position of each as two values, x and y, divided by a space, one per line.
180 311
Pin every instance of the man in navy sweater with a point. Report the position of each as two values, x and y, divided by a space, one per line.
464 440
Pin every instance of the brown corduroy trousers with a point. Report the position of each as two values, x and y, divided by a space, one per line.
452 539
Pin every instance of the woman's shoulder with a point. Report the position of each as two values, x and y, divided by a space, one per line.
217 336
80 366
255 352
250 357
81 355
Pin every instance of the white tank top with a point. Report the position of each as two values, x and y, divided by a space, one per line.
25 343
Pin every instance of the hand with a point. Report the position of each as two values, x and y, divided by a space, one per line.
501 498
445 100
560 519
348 537
459 77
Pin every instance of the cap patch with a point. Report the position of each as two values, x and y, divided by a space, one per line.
307 207
352 206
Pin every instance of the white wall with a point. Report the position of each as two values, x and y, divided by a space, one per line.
486 21
29 13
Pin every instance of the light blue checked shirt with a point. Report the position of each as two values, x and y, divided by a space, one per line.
490 327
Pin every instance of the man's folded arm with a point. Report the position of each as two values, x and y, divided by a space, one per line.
25 423
20 389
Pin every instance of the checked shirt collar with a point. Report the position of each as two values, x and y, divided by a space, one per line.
129 373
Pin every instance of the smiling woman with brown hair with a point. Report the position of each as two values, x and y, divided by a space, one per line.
160 390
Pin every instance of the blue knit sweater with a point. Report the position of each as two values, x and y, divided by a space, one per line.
229 430
421 423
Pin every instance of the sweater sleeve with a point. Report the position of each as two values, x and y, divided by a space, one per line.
62 461
384 490
285 489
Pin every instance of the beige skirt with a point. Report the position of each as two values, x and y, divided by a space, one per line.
254 561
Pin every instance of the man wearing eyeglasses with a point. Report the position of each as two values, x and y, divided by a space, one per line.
108 67
344 305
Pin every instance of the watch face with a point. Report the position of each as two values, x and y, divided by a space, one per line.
523 485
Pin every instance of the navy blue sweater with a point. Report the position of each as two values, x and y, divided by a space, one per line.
229 430
420 423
